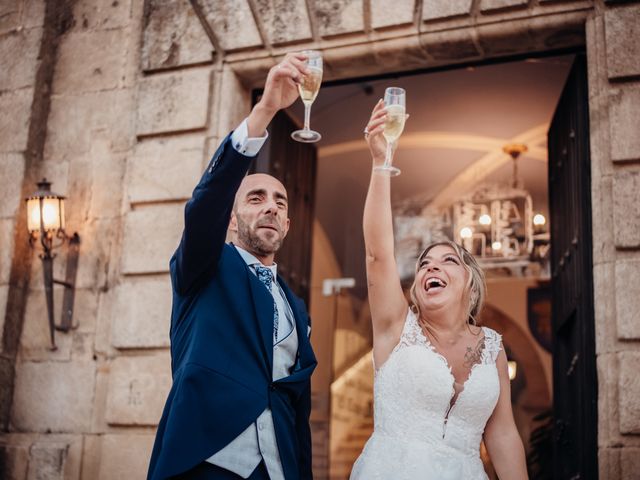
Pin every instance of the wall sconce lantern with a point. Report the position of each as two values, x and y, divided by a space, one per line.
513 369
45 221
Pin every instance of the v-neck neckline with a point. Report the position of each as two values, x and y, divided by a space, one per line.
446 363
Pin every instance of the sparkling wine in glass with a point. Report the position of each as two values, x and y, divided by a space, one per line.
309 87
394 101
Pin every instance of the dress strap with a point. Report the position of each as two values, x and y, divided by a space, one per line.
411 332
492 345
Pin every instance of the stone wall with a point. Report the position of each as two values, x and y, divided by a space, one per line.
613 49
120 104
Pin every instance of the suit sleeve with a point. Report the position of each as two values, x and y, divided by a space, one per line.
206 218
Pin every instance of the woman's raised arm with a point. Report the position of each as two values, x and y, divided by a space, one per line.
386 299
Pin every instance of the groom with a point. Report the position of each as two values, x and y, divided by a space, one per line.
240 353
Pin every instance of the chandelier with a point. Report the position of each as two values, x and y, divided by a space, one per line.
496 223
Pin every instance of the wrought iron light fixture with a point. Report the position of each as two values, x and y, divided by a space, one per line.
497 224
45 221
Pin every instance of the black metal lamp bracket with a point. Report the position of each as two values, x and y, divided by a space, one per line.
66 321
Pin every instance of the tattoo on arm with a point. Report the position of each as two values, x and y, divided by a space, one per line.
473 355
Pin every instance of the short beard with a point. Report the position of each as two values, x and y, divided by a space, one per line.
250 239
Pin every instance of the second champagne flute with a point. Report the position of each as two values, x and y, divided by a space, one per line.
394 101
308 88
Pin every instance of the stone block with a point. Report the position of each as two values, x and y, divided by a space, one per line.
454 45
151 235
138 388
165 168
173 36
53 396
347 61
125 456
401 53
90 61
383 16
105 182
626 209
47 461
75 120
337 18
19 53
173 102
4 293
629 463
11 173
505 37
95 183
438 10
489 5
602 219
14 460
284 21
608 412
142 313
101 15
98 244
609 462
629 392
624 117
622 35
627 297
33 14
234 104
7 226
232 23
604 307
14 128
9 16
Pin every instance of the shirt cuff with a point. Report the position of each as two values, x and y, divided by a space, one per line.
242 143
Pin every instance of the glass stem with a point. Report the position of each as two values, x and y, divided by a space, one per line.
307 115
387 157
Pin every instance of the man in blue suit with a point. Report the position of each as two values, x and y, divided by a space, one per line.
240 353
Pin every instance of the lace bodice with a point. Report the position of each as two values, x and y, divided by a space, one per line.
418 433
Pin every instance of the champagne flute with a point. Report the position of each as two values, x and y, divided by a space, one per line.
308 87
394 101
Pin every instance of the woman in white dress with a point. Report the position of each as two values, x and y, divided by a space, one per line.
441 382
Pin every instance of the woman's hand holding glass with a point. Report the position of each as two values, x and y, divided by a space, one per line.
384 128
373 134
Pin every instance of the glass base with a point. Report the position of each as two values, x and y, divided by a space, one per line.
306 136
387 170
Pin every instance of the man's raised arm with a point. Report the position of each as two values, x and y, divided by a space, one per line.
208 212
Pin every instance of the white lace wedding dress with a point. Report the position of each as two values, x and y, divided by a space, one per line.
417 435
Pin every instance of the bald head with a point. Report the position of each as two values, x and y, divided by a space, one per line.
260 218
258 182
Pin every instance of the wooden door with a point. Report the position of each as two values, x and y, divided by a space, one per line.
294 164
574 359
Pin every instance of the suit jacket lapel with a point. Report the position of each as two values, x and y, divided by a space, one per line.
263 306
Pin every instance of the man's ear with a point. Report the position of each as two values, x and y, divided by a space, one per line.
233 223
286 228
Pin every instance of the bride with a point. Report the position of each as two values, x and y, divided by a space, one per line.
441 382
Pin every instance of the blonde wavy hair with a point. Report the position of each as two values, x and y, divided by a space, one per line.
476 287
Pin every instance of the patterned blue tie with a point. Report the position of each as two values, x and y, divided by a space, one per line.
265 275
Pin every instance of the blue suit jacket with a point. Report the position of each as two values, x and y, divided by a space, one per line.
222 342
